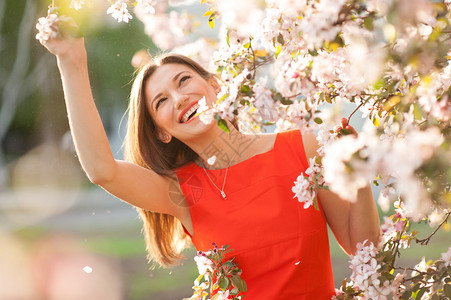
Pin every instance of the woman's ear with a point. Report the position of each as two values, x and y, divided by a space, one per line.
164 137
214 83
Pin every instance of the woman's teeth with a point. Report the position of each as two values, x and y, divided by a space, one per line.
190 112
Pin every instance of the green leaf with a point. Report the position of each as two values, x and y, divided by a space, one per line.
223 283
247 45
286 101
315 204
313 52
239 283
318 120
223 125
421 292
280 39
246 90
417 112
234 291
379 84
344 131
368 22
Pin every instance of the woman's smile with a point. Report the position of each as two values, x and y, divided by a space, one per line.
189 112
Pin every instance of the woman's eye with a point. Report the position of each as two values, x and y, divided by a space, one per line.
159 102
183 79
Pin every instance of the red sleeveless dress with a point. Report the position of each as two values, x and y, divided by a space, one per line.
282 248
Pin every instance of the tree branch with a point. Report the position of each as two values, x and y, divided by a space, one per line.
426 240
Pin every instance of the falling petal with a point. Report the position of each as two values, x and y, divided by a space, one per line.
211 160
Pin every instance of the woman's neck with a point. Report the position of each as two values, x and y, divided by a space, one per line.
219 149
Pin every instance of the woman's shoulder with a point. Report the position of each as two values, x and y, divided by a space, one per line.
262 141
300 139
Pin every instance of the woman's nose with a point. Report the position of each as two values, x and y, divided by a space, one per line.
181 101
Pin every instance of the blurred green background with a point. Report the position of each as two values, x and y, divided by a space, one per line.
62 237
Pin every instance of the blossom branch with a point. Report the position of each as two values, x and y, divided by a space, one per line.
426 240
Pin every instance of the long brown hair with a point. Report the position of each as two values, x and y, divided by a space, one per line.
164 234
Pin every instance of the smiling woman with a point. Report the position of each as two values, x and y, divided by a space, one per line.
243 198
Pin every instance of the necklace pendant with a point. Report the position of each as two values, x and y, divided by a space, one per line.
223 195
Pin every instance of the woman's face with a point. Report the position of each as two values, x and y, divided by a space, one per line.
172 93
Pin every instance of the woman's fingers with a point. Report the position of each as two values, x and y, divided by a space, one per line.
344 128
351 129
58 33
344 122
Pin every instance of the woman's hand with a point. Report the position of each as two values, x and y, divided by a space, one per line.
68 43
344 128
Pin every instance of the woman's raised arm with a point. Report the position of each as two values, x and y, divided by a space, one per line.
138 186
351 222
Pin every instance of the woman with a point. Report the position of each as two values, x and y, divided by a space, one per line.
243 199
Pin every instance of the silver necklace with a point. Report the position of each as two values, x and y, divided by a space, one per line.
223 194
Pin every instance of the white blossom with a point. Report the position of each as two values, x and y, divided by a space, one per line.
317 22
386 197
205 112
446 257
146 6
204 264
365 272
119 11
47 28
264 102
220 295
302 192
243 16
343 174
77 4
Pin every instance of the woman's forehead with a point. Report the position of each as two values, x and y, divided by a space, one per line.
166 73
163 77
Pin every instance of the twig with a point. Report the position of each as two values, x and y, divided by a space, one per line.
425 241
356 109
294 96
420 273
395 253
253 60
